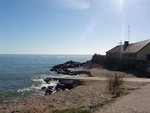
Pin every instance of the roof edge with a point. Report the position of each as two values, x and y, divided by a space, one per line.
143 47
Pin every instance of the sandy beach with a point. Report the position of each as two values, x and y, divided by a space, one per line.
91 95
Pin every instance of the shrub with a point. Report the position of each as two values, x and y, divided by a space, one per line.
73 110
115 83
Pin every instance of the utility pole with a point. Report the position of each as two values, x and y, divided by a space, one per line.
129 32
128 40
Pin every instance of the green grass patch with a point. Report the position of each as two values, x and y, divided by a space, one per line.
73 110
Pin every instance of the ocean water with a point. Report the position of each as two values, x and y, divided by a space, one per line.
22 75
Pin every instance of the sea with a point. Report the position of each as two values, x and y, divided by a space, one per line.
22 76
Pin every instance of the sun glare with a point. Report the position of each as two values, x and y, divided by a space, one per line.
120 4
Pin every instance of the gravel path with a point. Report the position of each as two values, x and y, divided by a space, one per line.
103 79
137 101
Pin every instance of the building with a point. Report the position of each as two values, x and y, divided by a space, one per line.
134 51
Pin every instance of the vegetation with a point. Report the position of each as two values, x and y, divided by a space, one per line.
73 110
115 83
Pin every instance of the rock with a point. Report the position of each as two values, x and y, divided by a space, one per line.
60 87
63 68
47 80
66 81
51 106
43 88
67 84
63 84
49 90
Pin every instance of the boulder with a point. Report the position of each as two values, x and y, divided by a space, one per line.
63 68
43 88
60 87
63 84
47 80
49 90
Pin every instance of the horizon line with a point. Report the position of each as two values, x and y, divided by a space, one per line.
40 54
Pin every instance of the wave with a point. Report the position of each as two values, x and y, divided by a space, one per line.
39 82
35 88
13 95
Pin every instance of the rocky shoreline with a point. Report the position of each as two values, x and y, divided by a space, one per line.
64 68
65 84
62 84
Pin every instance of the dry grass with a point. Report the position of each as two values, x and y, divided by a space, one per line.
115 82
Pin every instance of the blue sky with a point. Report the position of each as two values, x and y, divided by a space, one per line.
70 26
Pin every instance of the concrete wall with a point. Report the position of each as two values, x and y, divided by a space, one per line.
142 54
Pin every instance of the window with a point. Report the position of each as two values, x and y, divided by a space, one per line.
148 57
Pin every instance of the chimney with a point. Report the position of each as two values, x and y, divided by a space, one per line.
126 43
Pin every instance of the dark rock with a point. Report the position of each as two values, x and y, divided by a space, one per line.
67 84
66 81
49 90
60 87
47 80
51 106
63 68
15 111
43 88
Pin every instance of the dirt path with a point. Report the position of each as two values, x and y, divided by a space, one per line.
102 78
137 101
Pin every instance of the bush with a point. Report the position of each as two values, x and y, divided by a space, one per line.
73 110
115 83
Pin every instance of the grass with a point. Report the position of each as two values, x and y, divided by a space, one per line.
73 110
